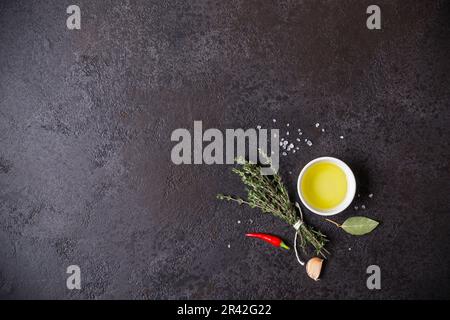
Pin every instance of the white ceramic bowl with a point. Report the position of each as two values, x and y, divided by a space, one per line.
351 187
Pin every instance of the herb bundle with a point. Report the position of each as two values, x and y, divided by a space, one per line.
269 194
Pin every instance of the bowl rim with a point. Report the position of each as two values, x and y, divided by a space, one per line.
351 186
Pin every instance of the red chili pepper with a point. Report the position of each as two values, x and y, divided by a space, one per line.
274 240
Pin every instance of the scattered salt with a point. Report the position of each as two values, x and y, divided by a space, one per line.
356 207
229 246
363 207
287 124
287 133
239 221
371 195
284 153
317 125
309 143
258 127
323 130
342 137
298 139
274 120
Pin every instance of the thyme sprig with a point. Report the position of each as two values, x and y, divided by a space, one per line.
269 194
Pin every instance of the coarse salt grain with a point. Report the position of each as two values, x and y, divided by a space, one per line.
317 125
342 137
274 120
309 143
371 195
258 127
284 153
363 207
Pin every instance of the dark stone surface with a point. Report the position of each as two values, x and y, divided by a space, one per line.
85 124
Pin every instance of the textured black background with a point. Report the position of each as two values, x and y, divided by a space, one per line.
85 124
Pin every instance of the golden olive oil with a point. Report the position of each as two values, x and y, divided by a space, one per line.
324 185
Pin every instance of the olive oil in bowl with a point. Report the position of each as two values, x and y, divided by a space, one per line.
326 186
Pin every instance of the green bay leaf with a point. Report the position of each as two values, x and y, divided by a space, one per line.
358 226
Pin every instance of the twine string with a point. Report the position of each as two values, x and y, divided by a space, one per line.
297 226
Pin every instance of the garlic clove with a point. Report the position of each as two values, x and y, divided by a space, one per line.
313 268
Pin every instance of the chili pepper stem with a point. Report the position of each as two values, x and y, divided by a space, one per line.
283 245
